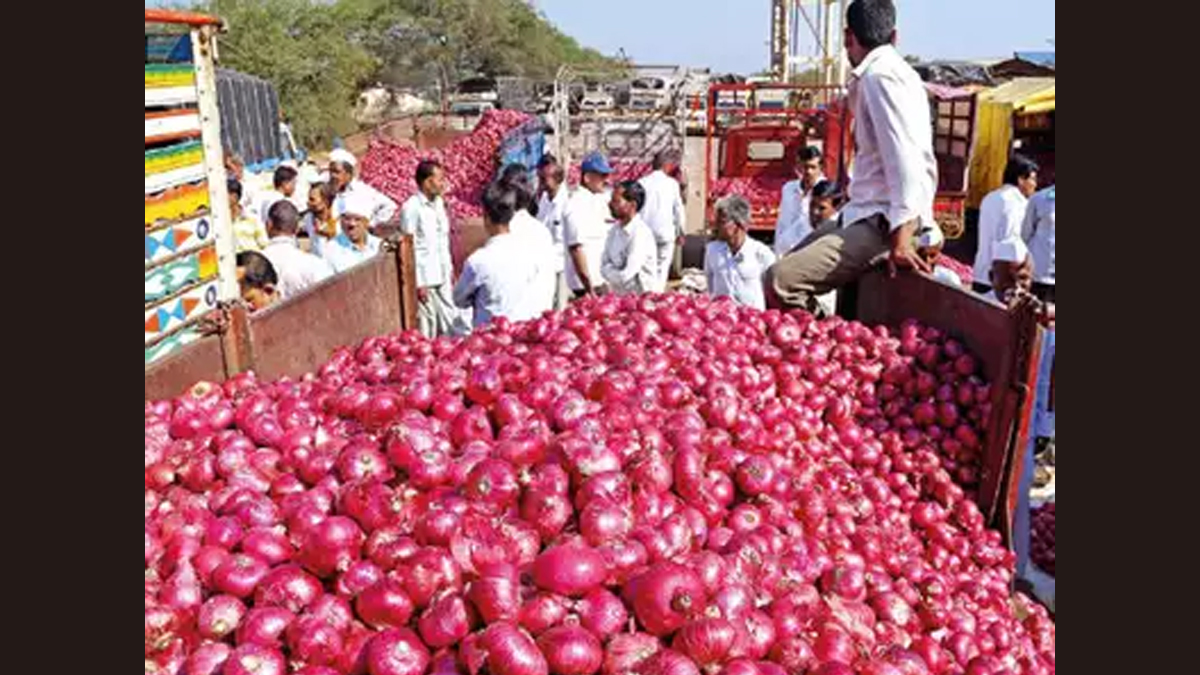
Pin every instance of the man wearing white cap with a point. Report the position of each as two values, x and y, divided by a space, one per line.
354 244
342 166
929 242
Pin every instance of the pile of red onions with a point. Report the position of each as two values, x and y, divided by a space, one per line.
652 485
1041 545
763 193
470 163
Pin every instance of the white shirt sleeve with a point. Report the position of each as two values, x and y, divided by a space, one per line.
901 154
409 218
1011 217
570 228
467 285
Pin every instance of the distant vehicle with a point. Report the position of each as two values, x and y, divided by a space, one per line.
649 93
597 99
474 96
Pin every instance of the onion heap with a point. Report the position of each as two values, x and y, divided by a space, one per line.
649 485
1041 545
763 193
470 163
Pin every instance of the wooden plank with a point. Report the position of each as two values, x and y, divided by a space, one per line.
159 97
180 310
173 276
177 238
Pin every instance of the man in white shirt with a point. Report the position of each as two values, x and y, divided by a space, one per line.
792 225
664 213
630 263
342 167
1038 233
552 205
424 217
1001 214
284 180
540 249
297 270
734 263
893 178
354 244
496 279
585 227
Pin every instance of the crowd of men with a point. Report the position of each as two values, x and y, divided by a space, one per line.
548 245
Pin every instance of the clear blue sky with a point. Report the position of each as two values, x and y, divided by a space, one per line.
731 35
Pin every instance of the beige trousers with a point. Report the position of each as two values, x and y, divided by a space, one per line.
829 258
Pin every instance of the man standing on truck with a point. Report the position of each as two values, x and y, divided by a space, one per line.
552 204
793 226
585 227
1001 214
424 217
663 213
893 178
342 166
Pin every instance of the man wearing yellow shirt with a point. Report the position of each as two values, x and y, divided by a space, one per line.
249 234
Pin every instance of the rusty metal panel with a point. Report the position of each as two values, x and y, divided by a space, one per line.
1003 341
298 335
407 276
171 376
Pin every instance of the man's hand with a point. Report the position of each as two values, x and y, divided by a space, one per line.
422 295
904 254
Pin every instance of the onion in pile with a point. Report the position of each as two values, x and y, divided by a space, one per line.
1041 545
659 485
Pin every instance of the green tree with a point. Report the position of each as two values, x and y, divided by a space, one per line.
314 53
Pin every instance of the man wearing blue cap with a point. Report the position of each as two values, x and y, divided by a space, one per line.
585 227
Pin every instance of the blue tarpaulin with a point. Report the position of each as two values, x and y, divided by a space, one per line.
524 145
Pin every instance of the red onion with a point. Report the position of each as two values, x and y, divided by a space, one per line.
384 605
397 651
571 650
511 651
602 613
254 659
628 652
447 620
570 570
707 642
265 626
288 587
219 616
665 597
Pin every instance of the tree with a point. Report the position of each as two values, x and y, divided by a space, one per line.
313 53
319 54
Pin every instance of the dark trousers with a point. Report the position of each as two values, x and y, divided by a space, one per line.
1044 292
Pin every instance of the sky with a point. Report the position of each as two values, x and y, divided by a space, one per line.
731 35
